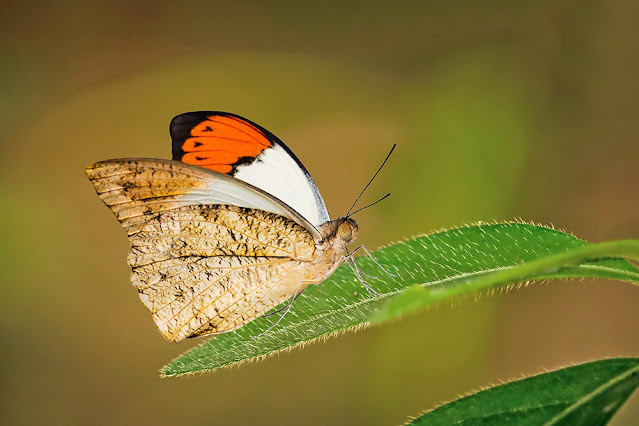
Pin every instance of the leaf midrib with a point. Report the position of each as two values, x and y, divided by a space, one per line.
347 307
608 269
512 411
598 391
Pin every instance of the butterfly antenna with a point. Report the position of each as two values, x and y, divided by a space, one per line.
371 204
370 181
352 253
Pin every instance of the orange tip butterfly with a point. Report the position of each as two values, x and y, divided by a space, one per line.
231 227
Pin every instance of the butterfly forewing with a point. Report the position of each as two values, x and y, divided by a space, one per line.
137 190
216 140
234 145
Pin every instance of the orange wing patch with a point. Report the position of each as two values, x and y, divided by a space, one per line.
220 142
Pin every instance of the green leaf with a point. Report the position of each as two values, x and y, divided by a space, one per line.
586 394
551 266
450 260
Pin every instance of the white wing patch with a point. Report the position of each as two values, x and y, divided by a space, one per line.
277 173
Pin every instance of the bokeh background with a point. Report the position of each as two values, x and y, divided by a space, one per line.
500 110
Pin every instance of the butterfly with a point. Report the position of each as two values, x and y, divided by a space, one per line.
228 229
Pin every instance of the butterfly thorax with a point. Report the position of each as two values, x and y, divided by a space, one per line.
330 250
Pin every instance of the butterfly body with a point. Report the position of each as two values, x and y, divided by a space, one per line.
210 251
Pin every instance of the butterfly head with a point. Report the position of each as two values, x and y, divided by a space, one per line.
347 230
339 232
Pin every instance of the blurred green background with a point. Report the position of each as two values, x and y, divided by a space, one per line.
500 110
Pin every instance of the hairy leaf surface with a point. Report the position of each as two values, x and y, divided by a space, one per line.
587 394
449 263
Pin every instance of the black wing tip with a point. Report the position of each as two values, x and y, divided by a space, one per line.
181 125
180 129
189 118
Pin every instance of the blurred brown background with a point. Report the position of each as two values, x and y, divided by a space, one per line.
500 110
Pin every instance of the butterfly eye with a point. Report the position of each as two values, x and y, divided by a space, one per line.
345 231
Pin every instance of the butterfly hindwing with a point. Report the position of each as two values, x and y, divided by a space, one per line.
211 269
230 144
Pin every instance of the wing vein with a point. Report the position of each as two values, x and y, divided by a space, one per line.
235 302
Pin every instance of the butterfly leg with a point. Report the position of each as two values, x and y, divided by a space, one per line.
350 257
356 271
286 309
281 309
377 263
352 253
